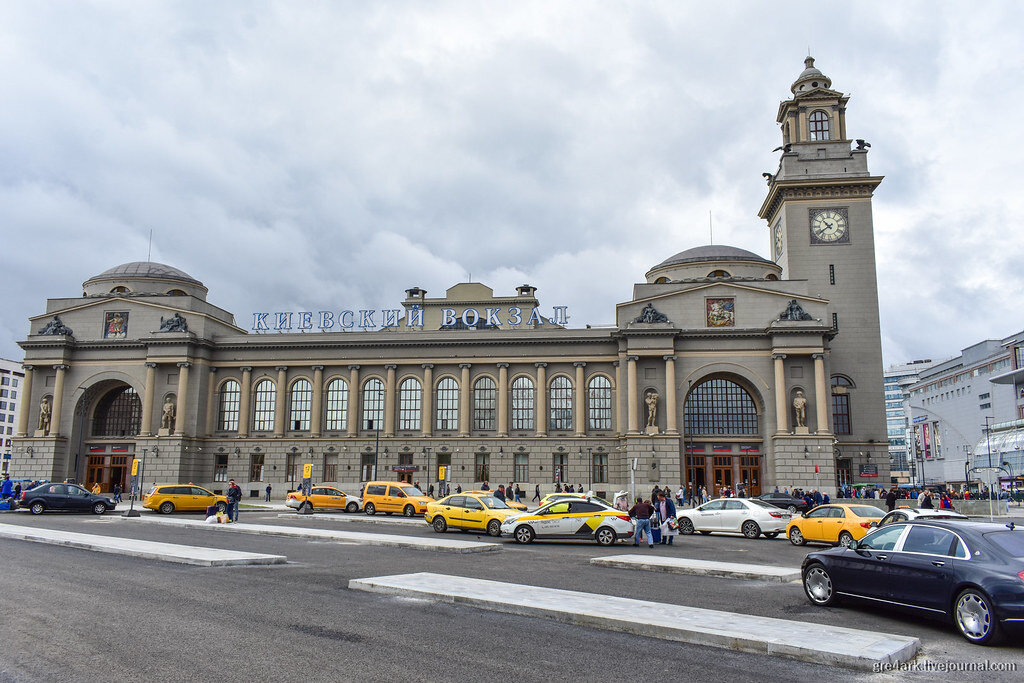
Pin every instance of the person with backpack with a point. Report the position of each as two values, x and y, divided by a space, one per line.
234 496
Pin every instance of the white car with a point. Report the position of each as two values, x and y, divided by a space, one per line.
583 518
748 516
904 514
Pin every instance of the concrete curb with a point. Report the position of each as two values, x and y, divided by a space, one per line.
358 518
150 550
684 565
808 642
355 537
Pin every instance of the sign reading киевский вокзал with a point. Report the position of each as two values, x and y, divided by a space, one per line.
366 319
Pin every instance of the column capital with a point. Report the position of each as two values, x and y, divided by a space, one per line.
427 366
615 363
184 364
281 368
502 365
61 366
579 364
150 364
465 365
246 368
778 356
353 367
540 365
27 367
632 359
318 368
668 357
213 369
817 356
390 366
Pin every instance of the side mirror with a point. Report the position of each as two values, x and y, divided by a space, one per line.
803 514
853 545
873 523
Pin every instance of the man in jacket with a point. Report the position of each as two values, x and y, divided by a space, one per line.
666 511
642 512
890 500
234 495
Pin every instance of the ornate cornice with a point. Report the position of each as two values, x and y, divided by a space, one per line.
816 188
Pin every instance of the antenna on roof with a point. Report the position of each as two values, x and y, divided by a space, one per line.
711 228
149 254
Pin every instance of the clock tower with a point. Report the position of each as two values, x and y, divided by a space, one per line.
818 211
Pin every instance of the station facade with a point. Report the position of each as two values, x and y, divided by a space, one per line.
723 369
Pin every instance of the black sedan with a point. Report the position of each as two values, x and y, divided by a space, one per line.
969 572
784 501
64 498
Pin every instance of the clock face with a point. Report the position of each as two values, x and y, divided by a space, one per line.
829 226
778 240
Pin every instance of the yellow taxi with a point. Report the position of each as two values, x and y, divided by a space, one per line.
394 496
835 524
582 518
560 496
323 498
168 498
471 510
521 507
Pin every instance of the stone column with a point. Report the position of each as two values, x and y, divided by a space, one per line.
26 399
353 400
280 400
146 428
581 399
631 407
389 400
245 401
616 394
316 410
781 404
542 399
464 400
428 399
671 409
211 400
502 399
182 404
58 399
820 393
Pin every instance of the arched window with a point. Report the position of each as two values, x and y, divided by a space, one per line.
599 403
841 423
119 413
410 404
817 124
561 404
841 381
373 404
177 292
230 402
337 406
719 406
263 415
302 404
485 396
771 276
522 404
120 289
719 273
447 404
661 281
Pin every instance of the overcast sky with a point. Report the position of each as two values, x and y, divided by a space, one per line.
307 156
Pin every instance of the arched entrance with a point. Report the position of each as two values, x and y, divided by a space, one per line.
722 434
110 417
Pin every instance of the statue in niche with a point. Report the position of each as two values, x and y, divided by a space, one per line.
651 399
651 315
176 323
794 312
45 411
800 408
167 419
56 326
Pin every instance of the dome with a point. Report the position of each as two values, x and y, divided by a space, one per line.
712 253
145 270
810 78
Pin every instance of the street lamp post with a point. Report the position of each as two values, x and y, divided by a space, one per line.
988 443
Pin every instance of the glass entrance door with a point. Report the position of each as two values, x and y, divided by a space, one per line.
722 473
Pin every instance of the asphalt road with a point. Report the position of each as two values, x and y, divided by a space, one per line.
79 615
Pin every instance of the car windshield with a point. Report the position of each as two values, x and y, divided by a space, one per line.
493 503
761 503
411 491
1010 541
865 511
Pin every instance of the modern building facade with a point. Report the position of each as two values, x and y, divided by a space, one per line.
11 377
898 380
723 369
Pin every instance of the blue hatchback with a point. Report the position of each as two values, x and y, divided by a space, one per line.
969 572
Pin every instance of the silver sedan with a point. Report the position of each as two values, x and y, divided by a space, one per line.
748 516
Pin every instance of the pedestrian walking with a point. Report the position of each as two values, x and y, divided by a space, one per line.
642 512
666 518
117 493
536 493
269 489
890 500
234 495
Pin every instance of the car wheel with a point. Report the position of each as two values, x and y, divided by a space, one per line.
37 508
408 511
494 528
440 525
751 529
524 534
222 508
167 507
818 586
845 539
771 534
974 618
705 532
370 509
795 537
605 536
98 508
791 509
306 508
685 526
352 507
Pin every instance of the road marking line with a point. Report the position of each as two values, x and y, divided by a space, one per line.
152 550
685 565
809 642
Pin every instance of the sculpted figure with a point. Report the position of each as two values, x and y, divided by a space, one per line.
800 408
651 399
167 420
44 415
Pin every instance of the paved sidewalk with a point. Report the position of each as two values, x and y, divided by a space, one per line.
358 518
166 552
685 565
809 642
448 545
